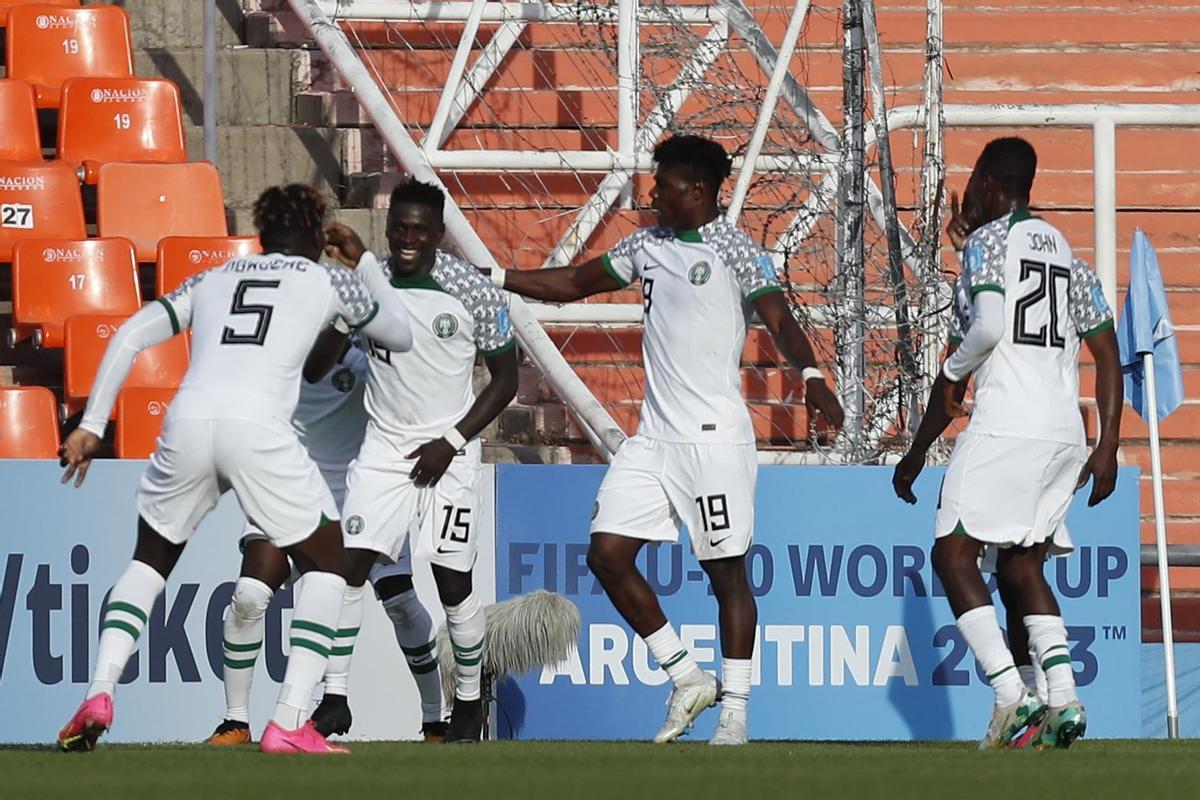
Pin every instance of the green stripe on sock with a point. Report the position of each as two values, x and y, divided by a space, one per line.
467 662
242 648
245 663
316 648
347 632
1054 661
128 608
420 650
305 625
675 659
998 673
121 626
467 651
342 651
422 669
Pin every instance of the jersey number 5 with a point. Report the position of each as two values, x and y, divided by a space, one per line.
260 311
1053 281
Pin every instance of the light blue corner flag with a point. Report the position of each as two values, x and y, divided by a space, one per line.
1146 327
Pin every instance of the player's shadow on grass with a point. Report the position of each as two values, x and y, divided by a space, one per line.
924 708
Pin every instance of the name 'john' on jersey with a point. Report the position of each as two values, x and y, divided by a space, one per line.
1028 387
696 286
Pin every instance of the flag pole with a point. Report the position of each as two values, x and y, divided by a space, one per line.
1160 534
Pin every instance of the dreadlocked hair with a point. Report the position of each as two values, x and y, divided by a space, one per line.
282 213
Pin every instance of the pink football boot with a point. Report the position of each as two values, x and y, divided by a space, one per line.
304 739
92 719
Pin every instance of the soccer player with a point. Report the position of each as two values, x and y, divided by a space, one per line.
419 469
330 420
253 321
1023 303
693 461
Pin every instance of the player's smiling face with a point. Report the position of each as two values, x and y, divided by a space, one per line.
414 231
676 196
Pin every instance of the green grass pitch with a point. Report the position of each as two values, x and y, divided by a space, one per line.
1091 770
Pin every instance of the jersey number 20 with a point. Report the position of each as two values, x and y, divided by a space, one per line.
261 311
1052 280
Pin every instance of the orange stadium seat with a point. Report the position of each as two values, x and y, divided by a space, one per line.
19 138
119 119
57 279
46 46
180 257
38 200
28 422
145 202
140 412
87 336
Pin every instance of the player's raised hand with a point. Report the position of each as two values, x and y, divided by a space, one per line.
820 400
953 397
76 454
959 226
433 459
342 243
905 475
1101 468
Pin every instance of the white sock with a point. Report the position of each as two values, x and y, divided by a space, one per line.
1048 636
672 656
735 684
125 615
337 672
314 625
1028 676
466 624
982 633
415 635
1039 675
245 619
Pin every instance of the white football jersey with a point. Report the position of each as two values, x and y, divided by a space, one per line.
330 417
1028 387
455 312
254 321
696 287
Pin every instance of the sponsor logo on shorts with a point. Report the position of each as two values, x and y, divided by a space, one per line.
445 325
343 380
717 542
699 273
355 525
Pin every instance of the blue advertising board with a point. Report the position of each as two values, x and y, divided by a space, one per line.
855 637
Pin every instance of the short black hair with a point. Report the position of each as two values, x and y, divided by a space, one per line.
421 193
1011 162
289 215
707 160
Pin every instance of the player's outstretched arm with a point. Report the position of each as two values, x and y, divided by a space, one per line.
329 347
559 285
433 458
1101 465
773 310
936 419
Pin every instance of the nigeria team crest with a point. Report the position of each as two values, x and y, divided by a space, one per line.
445 325
700 272
343 380
355 525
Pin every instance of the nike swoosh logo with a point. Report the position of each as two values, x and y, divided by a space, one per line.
717 542
443 552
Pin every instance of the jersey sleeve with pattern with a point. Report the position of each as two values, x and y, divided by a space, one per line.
178 302
753 266
984 257
624 261
493 328
1089 309
354 303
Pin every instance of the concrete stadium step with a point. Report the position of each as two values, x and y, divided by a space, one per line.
180 23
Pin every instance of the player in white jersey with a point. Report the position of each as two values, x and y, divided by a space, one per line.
693 461
253 322
330 420
417 475
1023 303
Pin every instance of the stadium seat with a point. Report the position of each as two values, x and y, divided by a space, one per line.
145 202
57 279
140 412
180 257
19 138
38 200
87 336
119 119
28 422
47 46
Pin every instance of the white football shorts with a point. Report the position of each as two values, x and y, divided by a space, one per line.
384 509
195 461
652 488
1006 491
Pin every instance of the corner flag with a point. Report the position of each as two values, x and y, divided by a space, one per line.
1146 327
